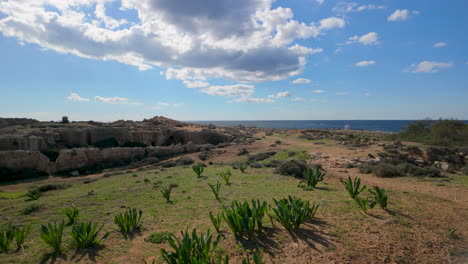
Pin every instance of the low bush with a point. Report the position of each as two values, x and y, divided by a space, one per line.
387 171
225 175
34 194
192 248
244 219
242 151
365 168
159 237
292 167
243 168
129 221
72 215
291 212
31 208
52 235
7 235
53 187
86 235
312 177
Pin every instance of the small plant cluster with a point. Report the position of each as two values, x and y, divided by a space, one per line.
128 221
291 212
312 177
215 188
354 189
244 219
10 233
166 192
198 169
226 175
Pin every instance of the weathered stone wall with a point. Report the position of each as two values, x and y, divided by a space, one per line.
17 160
10 142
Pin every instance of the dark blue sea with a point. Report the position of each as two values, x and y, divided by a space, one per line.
373 125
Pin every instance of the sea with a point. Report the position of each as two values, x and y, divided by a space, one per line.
389 126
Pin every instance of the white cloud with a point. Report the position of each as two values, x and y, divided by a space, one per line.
298 99
370 38
399 15
111 100
75 97
365 63
318 91
342 8
319 1
207 39
195 84
440 45
280 95
253 100
236 90
428 67
301 81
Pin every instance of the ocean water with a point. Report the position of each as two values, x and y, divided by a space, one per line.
373 125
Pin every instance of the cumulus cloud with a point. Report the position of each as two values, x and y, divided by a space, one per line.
236 90
342 8
280 95
370 38
301 81
365 63
76 98
243 41
111 100
428 67
399 15
319 1
318 91
253 100
439 45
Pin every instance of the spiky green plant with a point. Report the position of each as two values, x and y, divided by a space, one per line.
72 215
34 194
242 168
166 192
86 235
6 236
291 212
192 248
257 258
20 235
216 188
380 196
216 220
128 221
225 175
244 219
312 177
364 203
353 186
198 169
52 234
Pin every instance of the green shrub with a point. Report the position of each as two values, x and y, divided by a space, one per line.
380 196
244 219
216 221
34 194
443 132
291 212
242 168
198 169
20 235
312 177
166 192
257 258
216 189
192 248
353 186
365 168
129 221
225 175
72 215
6 237
53 187
292 167
387 171
364 203
159 237
86 235
31 208
52 234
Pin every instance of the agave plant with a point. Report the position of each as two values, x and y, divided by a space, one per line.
166 192
52 235
6 236
244 219
128 221
216 188
225 175
198 169
380 196
364 203
86 235
192 248
72 215
291 212
353 186
34 194
242 168
216 220
20 235
312 177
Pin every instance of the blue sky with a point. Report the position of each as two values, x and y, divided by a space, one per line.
233 60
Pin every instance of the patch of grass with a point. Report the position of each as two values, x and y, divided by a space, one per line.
31 208
159 237
215 189
225 175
